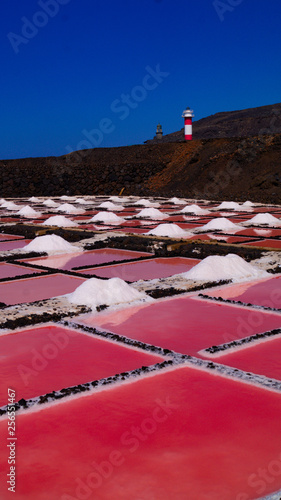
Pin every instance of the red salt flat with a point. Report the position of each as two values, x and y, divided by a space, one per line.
259 232
12 245
266 292
92 257
266 243
146 270
262 358
134 230
6 218
185 324
46 358
37 288
11 270
5 237
180 218
183 434
217 236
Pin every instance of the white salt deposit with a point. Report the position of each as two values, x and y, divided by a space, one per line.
66 198
248 204
219 224
171 230
110 206
231 266
51 244
50 203
146 203
10 205
67 208
152 213
81 201
96 292
118 199
59 221
177 201
228 205
108 217
263 219
33 199
194 209
28 211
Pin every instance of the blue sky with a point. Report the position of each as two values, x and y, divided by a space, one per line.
78 74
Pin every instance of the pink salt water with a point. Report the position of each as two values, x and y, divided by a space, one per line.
37 288
92 257
266 244
258 232
184 434
149 269
134 230
12 245
262 358
185 324
4 237
40 360
266 292
12 270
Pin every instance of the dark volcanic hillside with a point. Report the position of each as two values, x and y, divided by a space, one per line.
221 168
264 120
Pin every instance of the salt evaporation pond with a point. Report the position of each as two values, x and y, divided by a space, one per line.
262 358
37 288
180 434
148 269
266 244
92 257
265 293
46 358
5 237
12 245
12 270
185 324
268 232
218 433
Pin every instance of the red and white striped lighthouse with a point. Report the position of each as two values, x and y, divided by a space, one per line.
187 115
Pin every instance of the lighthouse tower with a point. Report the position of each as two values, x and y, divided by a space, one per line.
159 131
188 115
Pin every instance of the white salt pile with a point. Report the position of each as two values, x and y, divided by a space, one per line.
146 203
50 203
10 205
29 212
228 205
219 224
110 206
81 201
59 221
51 244
176 201
263 220
33 199
66 198
248 204
231 266
108 217
67 208
2 201
171 230
152 213
118 199
194 209
96 292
